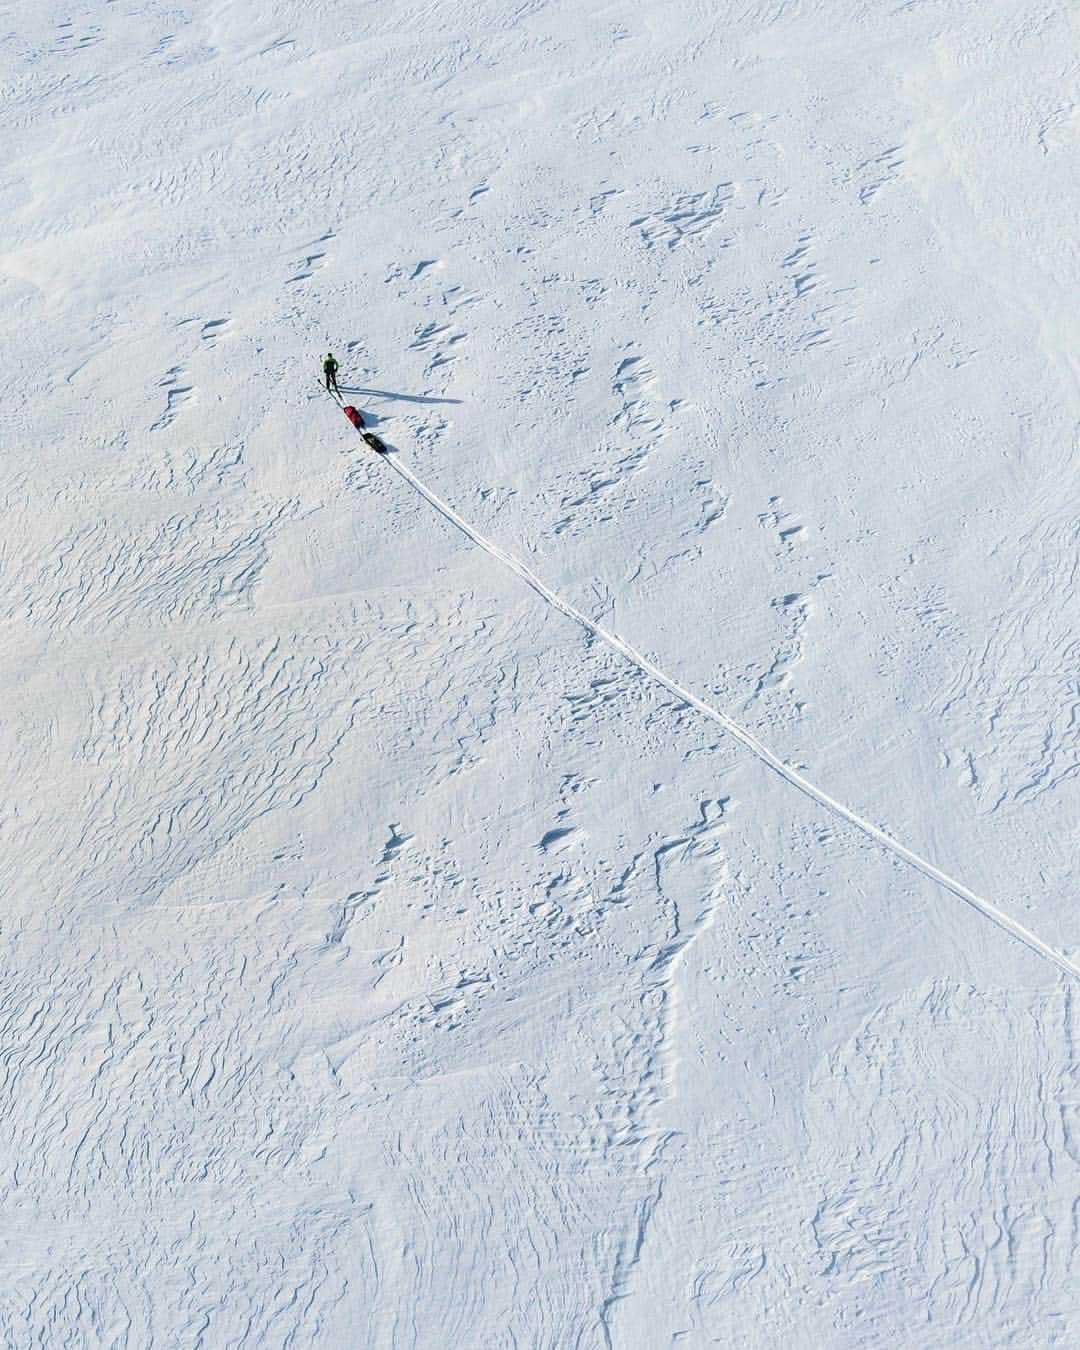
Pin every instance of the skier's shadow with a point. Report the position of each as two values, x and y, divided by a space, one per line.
386 393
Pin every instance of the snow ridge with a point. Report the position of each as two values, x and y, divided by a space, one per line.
741 734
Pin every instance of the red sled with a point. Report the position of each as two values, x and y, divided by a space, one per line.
354 417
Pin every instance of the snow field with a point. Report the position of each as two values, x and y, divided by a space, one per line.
388 962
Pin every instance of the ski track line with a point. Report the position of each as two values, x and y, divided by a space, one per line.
744 737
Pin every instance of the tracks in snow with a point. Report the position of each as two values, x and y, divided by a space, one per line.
746 738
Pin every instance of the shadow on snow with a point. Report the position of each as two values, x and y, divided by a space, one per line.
386 393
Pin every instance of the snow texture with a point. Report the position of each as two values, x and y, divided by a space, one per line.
558 884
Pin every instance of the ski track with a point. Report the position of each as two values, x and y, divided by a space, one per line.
744 737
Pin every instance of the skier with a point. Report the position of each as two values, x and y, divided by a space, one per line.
330 369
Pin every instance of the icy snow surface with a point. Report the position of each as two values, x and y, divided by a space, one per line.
387 960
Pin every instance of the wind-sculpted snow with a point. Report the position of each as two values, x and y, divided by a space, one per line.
1023 686
185 566
387 961
182 759
146 1127
986 1259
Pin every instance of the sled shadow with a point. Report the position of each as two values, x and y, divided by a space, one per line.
386 393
